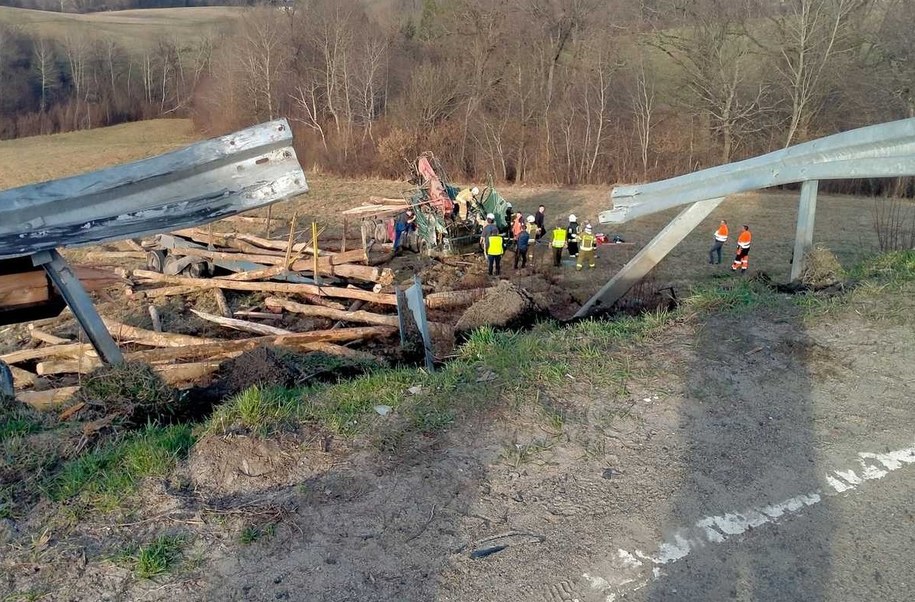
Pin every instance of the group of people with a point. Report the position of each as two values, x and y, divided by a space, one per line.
580 243
742 259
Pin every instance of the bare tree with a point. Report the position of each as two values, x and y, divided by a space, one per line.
46 68
263 59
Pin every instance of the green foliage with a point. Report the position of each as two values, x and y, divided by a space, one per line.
259 410
896 267
741 297
106 476
156 558
128 382
252 533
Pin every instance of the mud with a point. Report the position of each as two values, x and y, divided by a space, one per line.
504 306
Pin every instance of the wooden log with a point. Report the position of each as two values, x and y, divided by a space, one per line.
32 287
294 341
46 337
47 400
326 265
250 276
77 366
315 300
169 291
242 325
103 256
267 287
454 298
25 355
172 374
317 311
276 245
355 305
341 351
23 378
154 316
362 317
230 240
222 302
260 315
150 338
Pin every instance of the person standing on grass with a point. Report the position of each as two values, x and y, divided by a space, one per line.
572 235
523 243
721 237
558 244
539 220
742 260
517 226
404 223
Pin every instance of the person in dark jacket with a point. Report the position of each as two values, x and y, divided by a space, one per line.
524 239
539 218
572 236
405 222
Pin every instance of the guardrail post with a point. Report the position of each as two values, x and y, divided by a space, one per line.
61 274
652 253
803 239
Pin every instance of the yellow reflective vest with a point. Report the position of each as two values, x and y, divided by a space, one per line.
559 238
495 245
587 242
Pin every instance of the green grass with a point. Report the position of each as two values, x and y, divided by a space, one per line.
259 410
105 477
156 558
737 298
253 533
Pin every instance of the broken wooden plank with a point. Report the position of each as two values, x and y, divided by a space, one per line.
47 400
222 303
46 337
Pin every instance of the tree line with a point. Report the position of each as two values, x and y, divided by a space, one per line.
562 91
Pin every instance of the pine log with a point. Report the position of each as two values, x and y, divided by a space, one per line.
353 307
32 287
260 315
363 317
250 276
315 300
454 298
242 325
23 378
326 265
154 316
222 239
300 341
150 338
69 350
46 337
46 400
267 287
80 365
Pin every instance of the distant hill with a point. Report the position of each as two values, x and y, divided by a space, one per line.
133 29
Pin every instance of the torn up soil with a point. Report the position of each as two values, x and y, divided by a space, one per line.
503 306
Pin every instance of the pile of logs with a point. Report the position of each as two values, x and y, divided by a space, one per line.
358 314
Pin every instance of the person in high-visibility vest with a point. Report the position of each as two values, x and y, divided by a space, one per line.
493 245
558 244
587 242
742 260
721 237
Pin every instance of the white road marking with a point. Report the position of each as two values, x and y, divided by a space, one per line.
631 571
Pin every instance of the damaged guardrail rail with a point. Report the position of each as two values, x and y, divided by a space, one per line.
196 185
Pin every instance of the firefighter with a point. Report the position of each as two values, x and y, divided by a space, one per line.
533 231
572 235
465 199
588 242
721 237
742 260
558 244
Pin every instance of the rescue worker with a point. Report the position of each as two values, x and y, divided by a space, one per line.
404 223
464 200
523 243
517 226
539 220
588 243
742 260
493 245
533 234
721 237
572 235
559 242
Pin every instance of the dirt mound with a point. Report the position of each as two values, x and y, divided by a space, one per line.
504 306
241 464
261 366
822 269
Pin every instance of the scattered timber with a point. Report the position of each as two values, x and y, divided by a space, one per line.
185 283
46 337
454 298
47 400
23 378
25 355
243 325
33 287
154 316
363 317
222 303
149 338
333 265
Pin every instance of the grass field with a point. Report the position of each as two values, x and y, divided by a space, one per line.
136 30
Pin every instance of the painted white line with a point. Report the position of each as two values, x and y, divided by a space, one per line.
630 570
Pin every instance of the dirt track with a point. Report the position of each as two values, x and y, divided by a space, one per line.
739 414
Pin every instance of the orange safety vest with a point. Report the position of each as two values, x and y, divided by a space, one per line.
495 246
721 234
743 241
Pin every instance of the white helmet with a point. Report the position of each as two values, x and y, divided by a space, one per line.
490 216
474 191
530 219
572 218
588 228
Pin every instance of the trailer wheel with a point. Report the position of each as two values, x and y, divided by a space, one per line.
155 261
6 381
198 270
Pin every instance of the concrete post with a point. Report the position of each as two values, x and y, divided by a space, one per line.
803 239
649 256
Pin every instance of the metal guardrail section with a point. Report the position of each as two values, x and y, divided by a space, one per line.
189 187
878 151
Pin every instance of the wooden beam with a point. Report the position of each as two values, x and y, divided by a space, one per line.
47 400
150 338
243 325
